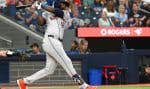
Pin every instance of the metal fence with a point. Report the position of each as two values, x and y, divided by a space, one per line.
22 69
5 44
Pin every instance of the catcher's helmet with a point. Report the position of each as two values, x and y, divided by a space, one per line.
59 13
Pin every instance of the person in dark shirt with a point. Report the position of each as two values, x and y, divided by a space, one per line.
145 76
35 48
74 47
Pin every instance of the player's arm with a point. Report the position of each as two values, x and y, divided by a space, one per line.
47 7
42 19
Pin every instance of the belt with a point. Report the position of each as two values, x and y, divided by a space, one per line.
56 38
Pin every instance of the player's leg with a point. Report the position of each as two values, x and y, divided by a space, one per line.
61 57
66 63
55 48
49 69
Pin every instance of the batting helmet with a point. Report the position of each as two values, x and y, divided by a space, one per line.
59 13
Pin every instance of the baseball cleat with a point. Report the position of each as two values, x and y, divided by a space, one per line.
91 87
21 84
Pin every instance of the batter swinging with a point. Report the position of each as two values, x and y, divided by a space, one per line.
55 54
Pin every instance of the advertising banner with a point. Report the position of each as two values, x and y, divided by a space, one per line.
114 32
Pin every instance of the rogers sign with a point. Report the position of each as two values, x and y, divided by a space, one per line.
114 32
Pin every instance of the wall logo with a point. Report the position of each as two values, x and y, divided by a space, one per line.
138 31
114 32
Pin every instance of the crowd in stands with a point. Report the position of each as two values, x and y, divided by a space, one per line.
85 13
80 47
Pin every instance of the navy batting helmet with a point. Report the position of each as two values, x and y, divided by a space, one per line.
59 13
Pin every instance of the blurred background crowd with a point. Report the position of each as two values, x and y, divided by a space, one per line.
86 13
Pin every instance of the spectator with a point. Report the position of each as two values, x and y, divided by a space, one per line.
50 2
103 2
85 11
87 3
20 16
31 18
74 47
87 23
35 48
57 3
29 2
145 76
65 7
145 6
90 13
136 1
137 21
83 47
11 5
136 16
96 11
77 2
110 8
2 5
122 2
96 6
76 13
125 4
104 21
20 3
121 18
77 22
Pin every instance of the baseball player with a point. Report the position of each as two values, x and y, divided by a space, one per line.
55 54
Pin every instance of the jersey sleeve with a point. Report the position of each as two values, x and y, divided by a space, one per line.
46 14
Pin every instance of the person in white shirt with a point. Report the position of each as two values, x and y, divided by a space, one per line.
103 21
110 8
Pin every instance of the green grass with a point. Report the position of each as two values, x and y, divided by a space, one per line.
130 87
75 87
